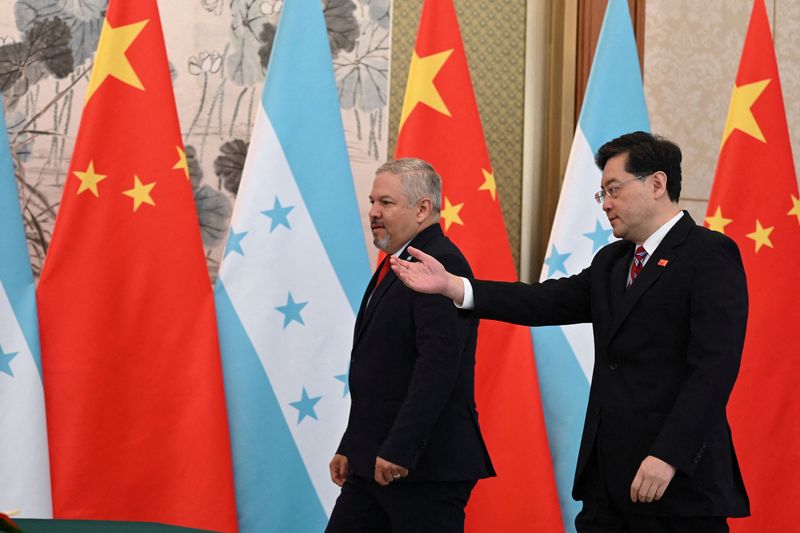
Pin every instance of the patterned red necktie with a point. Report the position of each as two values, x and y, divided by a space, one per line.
638 263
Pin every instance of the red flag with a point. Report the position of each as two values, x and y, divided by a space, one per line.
132 373
755 201
440 124
6 524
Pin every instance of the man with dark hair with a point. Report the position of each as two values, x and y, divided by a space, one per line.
668 306
646 153
412 451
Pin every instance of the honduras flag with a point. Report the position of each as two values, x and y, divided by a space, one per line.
289 286
614 105
24 463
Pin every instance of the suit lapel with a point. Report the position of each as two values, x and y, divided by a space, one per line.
381 289
665 254
364 301
619 277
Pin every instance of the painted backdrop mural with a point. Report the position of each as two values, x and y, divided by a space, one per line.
218 52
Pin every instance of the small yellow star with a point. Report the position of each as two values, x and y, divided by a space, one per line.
761 236
89 179
795 208
182 163
110 59
420 87
740 115
450 214
140 193
718 222
489 184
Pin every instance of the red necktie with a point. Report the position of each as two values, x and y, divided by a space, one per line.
638 263
384 270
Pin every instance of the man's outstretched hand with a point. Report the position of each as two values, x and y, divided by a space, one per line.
427 275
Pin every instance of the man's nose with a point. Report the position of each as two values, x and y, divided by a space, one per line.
374 211
607 203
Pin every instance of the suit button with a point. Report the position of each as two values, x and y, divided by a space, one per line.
613 365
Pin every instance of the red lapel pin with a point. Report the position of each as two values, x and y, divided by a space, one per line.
663 262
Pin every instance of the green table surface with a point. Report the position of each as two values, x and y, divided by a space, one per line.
31 525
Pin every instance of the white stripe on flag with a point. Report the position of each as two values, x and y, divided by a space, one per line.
577 216
24 462
308 345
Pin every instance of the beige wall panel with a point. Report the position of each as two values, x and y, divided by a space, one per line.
692 52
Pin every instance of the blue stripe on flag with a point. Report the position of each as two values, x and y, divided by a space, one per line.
614 103
274 491
285 311
15 267
565 392
300 90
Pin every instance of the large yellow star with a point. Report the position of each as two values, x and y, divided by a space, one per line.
795 208
140 193
110 59
489 184
89 179
182 163
740 116
718 222
761 236
450 214
420 87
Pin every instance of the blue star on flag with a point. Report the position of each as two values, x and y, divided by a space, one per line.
291 311
344 378
305 406
555 263
234 243
599 236
279 215
5 362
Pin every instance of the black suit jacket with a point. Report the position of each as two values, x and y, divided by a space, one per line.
667 352
412 373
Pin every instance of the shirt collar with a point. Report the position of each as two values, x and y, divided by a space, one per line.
402 248
655 239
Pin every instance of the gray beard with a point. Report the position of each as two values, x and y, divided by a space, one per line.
382 243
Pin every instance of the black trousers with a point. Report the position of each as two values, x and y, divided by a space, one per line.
601 515
403 507
609 519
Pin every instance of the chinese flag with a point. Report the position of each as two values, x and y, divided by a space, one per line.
132 372
440 124
755 201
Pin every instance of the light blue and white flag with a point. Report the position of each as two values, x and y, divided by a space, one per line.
614 104
293 272
24 462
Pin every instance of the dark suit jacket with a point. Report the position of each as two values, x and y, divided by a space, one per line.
667 352
412 373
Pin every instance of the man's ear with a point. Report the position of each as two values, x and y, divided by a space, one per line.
424 208
659 184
